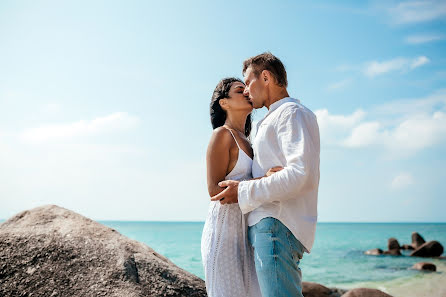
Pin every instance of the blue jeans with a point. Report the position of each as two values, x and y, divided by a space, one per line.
277 255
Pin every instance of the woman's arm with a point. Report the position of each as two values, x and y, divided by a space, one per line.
270 172
217 159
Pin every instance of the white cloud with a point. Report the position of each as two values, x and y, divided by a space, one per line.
409 136
340 84
333 127
420 61
364 134
412 12
417 125
375 68
419 39
113 122
402 180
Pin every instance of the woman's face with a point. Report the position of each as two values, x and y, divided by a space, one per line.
237 101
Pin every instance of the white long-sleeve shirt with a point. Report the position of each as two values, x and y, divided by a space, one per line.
287 136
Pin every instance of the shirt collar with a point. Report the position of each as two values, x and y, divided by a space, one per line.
278 103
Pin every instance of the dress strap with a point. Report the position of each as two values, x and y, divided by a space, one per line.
234 138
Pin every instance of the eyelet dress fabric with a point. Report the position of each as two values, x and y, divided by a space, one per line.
226 254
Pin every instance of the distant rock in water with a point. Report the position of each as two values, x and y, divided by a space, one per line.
394 252
429 249
407 247
364 292
52 251
393 244
424 266
417 240
374 252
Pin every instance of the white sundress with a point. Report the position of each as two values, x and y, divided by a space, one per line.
226 253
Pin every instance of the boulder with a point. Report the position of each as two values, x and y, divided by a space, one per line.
393 244
310 289
374 252
52 251
424 266
417 240
394 252
365 292
429 249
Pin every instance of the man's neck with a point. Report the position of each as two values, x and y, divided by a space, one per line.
276 96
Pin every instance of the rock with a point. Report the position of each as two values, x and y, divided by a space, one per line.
310 289
424 266
52 251
374 252
407 247
394 252
393 244
429 249
417 240
365 292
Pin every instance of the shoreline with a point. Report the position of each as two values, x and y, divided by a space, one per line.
421 284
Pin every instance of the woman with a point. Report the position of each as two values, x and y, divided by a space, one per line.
227 257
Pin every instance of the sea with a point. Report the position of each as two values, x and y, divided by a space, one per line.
336 260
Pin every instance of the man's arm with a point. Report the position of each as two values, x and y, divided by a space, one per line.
298 136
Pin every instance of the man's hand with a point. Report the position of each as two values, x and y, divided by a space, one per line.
228 195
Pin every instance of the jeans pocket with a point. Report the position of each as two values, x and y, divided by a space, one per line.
297 249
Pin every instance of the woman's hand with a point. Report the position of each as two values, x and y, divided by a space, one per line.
273 170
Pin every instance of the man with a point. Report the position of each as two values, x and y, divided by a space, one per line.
282 207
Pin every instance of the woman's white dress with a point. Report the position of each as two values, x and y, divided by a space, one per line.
226 253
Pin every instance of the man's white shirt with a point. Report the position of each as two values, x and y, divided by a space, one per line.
287 136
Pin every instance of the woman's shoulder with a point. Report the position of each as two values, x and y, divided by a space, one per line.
221 136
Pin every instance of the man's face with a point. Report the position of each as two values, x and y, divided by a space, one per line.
254 89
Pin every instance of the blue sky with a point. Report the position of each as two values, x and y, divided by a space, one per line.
104 104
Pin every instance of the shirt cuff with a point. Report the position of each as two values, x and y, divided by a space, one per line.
243 197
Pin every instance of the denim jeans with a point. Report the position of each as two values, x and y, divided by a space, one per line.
277 255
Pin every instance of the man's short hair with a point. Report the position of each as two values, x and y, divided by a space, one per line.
267 61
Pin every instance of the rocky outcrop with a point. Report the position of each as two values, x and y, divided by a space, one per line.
52 251
407 247
429 249
424 266
420 248
310 289
417 240
393 244
394 252
364 292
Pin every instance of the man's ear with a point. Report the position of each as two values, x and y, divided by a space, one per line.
265 77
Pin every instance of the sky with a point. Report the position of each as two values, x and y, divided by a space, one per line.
104 105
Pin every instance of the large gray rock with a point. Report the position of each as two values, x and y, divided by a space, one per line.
310 289
417 240
364 292
429 249
52 251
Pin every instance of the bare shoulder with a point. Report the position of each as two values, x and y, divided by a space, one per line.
221 137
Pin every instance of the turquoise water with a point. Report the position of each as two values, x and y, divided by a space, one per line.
336 259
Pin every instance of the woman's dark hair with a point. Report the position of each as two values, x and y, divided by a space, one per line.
218 115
